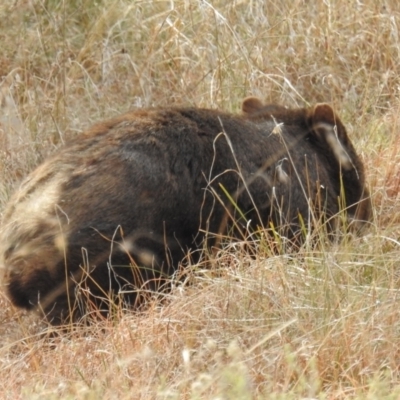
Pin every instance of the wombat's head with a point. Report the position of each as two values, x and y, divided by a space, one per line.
324 131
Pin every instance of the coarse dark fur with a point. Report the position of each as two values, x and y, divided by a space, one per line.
122 205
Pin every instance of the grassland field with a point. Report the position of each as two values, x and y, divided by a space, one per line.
320 324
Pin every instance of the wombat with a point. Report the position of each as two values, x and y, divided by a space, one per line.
119 208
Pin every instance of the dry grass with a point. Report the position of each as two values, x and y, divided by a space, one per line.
312 325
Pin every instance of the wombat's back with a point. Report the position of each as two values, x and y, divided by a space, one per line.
130 191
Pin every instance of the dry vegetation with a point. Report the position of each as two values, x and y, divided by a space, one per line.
318 324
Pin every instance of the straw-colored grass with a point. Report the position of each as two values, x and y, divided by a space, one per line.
317 324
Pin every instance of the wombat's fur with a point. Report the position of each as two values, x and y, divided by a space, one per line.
123 204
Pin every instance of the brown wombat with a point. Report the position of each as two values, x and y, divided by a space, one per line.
117 209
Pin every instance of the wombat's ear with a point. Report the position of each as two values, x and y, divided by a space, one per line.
323 115
328 129
251 105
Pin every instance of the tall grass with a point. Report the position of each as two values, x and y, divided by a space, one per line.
317 324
